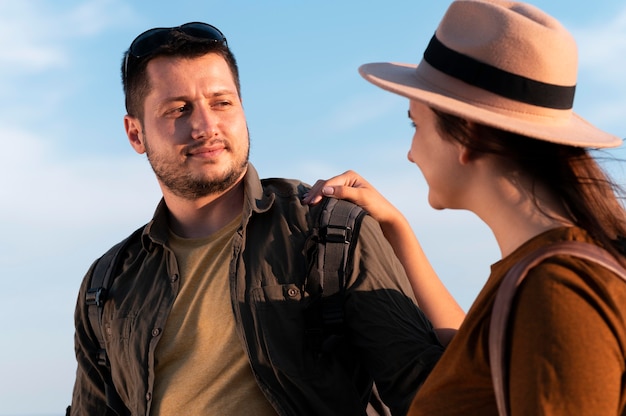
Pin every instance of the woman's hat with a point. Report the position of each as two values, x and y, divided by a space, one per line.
500 63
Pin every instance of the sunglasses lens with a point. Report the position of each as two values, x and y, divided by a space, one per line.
148 41
152 39
203 31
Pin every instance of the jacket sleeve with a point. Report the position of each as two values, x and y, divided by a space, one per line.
89 397
385 325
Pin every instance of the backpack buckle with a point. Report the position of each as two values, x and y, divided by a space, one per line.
337 234
95 296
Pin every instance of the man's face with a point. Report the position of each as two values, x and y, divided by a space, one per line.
194 129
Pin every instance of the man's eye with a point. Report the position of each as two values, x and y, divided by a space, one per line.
178 110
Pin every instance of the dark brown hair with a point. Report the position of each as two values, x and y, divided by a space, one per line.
134 75
570 173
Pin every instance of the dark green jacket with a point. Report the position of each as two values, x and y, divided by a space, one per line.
387 338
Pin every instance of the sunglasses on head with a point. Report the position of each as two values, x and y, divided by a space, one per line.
151 40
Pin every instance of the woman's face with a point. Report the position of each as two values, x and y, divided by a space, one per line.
438 159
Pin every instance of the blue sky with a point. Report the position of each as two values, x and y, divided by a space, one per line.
71 186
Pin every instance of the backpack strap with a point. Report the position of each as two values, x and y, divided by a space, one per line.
101 281
338 226
504 300
333 231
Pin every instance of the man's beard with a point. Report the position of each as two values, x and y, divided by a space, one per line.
184 184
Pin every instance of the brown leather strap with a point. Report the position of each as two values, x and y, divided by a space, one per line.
504 300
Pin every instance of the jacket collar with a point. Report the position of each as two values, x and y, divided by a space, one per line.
255 201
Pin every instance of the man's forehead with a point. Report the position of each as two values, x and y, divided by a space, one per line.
169 71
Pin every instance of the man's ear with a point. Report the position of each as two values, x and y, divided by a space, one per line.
134 131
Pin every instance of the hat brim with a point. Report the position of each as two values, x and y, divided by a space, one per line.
452 96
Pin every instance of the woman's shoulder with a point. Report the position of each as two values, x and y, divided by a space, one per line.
566 266
573 285
563 278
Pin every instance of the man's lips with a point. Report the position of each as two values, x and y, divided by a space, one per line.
207 151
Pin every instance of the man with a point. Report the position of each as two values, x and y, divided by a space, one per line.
206 312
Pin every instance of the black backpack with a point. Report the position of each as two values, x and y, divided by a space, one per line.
335 227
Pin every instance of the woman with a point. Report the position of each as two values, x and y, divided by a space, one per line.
495 134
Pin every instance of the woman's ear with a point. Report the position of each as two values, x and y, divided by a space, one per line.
466 155
134 131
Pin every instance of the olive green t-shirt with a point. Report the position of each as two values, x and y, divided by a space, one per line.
201 367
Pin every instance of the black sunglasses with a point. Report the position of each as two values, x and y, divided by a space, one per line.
151 40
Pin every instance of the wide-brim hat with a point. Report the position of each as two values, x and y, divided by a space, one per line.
500 63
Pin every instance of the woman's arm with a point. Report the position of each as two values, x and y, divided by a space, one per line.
432 296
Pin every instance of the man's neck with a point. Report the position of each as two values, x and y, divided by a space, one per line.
204 216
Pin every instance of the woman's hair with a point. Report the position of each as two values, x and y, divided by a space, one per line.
570 173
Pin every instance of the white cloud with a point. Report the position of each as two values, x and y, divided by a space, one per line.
601 91
24 39
36 172
93 17
602 47
34 35
34 179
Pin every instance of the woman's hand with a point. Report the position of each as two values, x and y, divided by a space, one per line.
432 296
352 187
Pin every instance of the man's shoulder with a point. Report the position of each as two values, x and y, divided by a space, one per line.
131 239
124 248
284 187
289 189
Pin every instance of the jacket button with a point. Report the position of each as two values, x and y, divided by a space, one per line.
293 292
148 396
174 277
156 332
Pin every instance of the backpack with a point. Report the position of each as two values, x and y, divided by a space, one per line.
333 230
